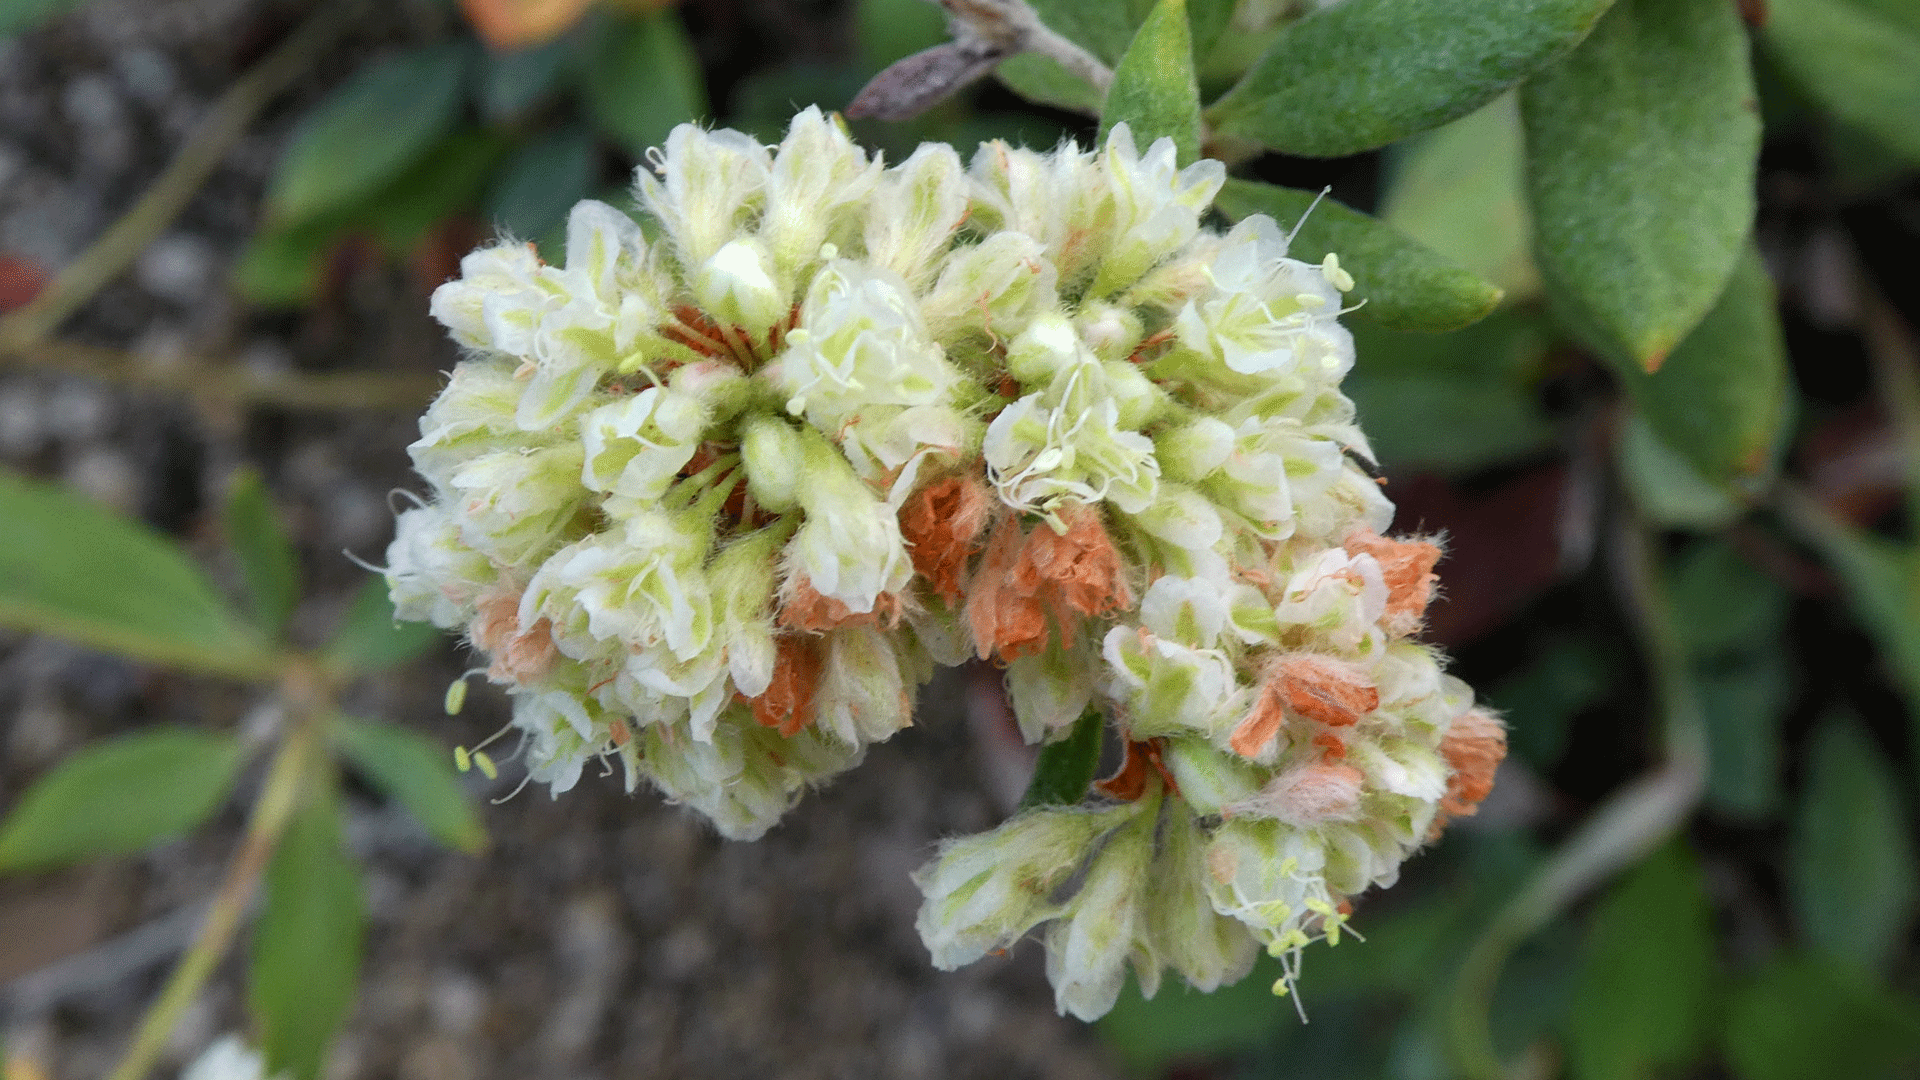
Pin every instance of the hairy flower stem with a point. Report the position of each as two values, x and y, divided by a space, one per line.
170 192
1635 820
279 796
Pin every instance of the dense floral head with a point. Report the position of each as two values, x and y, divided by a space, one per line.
715 497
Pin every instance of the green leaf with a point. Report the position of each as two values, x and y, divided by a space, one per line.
888 30
1486 422
1541 700
20 15
1744 703
371 639
71 569
1666 487
1722 603
268 566
418 774
1641 151
1640 1005
542 181
642 79
1857 59
119 795
1365 73
1102 27
1460 190
280 266
1208 19
1041 79
511 84
1724 397
369 130
1066 767
1405 285
445 182
1153 90
1803 1019
306 942
1852 875
1881 580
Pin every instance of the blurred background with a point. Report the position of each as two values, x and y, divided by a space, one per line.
280 321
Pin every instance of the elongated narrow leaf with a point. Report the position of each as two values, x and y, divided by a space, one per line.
73 570
1857 60
1405 286
371 639
642 80
1641 152
1153 90
369 130
1744 703
306 942
1367 72
1805 1019
1640 1003
418 774
1066 767
1853 874
511 84
268 567
1461 190
1881 580
119 795
1666 486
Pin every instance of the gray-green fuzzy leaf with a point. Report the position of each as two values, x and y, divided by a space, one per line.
1405 285
71 569
1367 72
1641 153
1153 90
365 133
371 639
1066 767
119 795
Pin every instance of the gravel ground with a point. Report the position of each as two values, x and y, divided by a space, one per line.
602 935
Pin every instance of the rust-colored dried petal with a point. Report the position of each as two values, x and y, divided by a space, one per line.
528 655
1081 566
806 608
1321 688
1407 566
1262 722
788 702
942 524
1129 783
1474 746
1005 619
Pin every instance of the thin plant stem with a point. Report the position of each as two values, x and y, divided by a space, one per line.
278 798
170 192
1632 822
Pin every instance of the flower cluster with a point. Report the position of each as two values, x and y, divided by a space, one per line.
715 501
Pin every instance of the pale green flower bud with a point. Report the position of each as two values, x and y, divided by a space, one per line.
709 182
849 547
818 175
1050 689
637 446
1210 779
992 290
773 454
1156 207
984 892
736 286
1088 944
1195 449
916 208
860 343
514 505
862 696
1207 949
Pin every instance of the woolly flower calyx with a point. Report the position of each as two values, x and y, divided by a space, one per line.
715 499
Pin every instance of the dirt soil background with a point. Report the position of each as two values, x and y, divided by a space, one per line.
602 935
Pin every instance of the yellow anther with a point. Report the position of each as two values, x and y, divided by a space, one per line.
487 767
456 696
462 760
